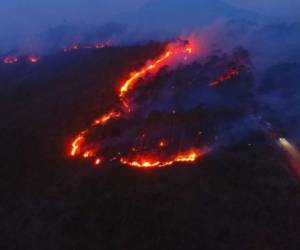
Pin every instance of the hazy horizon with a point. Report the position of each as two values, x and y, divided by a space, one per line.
20 17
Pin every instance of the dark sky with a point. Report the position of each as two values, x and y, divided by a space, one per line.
19 17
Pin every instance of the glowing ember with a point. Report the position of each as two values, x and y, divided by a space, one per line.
106 117
78 46
97 161
71 47
228 75
33 59
187 157
162 144
10 59
76 145
88 154
154 161
189 50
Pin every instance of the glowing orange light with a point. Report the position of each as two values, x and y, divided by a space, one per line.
88 154
162 144
106 117
33 59
11 59
187 157
97 161
189 50
141 161
76 145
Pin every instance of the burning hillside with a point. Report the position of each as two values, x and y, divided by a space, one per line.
74 118
18 57
149 124
128 133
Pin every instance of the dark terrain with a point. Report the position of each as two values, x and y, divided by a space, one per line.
242 196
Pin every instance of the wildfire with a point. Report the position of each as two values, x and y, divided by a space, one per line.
71 47
228 75
33 59
162 144
76 144
13 59
100 45
10 59
88 154
78 46
151 68
154 161
107 117
97 161
128 85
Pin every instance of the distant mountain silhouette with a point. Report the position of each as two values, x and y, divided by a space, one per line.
177 15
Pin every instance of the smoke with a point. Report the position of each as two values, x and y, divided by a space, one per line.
275 10
253 54
38 24
43 25
278 98
172 102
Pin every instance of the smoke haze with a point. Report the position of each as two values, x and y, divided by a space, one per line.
267 30
20 19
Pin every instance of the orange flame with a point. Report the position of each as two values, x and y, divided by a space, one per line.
76 144
98 161
128 84
162 144
107 117
150 68
33 59
152 161
88 154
